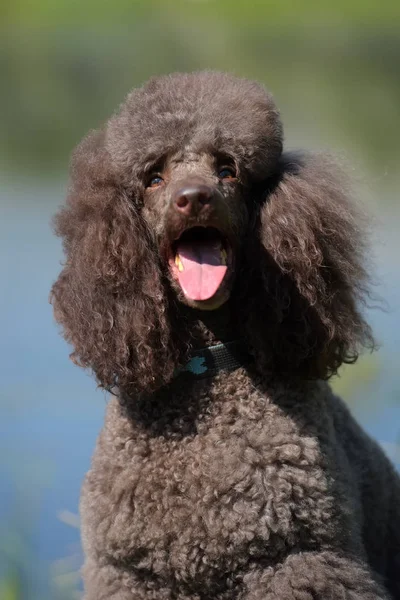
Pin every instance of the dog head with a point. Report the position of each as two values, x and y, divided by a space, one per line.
189 147
185 199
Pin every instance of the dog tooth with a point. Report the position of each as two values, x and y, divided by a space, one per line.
178 263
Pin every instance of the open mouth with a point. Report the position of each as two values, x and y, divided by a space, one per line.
200 262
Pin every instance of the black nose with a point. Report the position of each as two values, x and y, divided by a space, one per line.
190 200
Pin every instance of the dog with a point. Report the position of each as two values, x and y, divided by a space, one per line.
214 283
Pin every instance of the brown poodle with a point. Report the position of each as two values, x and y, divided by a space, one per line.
213 282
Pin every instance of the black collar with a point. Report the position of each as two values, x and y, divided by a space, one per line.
207 362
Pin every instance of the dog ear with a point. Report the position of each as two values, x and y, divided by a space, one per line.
110 297
308 282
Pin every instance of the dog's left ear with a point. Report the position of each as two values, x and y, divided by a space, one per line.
306 278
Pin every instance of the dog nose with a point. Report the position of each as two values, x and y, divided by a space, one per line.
192 199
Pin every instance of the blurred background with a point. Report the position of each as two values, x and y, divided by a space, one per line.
64 68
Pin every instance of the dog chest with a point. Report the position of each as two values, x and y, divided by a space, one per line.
245 483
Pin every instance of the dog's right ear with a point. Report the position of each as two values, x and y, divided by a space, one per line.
110 297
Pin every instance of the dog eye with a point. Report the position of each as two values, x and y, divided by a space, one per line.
155 181
227 173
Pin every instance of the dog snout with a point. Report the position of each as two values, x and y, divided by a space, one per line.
192 199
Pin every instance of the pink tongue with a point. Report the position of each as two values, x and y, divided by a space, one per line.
203 270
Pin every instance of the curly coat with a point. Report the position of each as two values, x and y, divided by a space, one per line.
256 483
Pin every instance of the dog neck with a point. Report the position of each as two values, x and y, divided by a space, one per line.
216 344
211 328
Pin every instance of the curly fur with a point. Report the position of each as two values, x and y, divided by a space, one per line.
256 483
313 281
